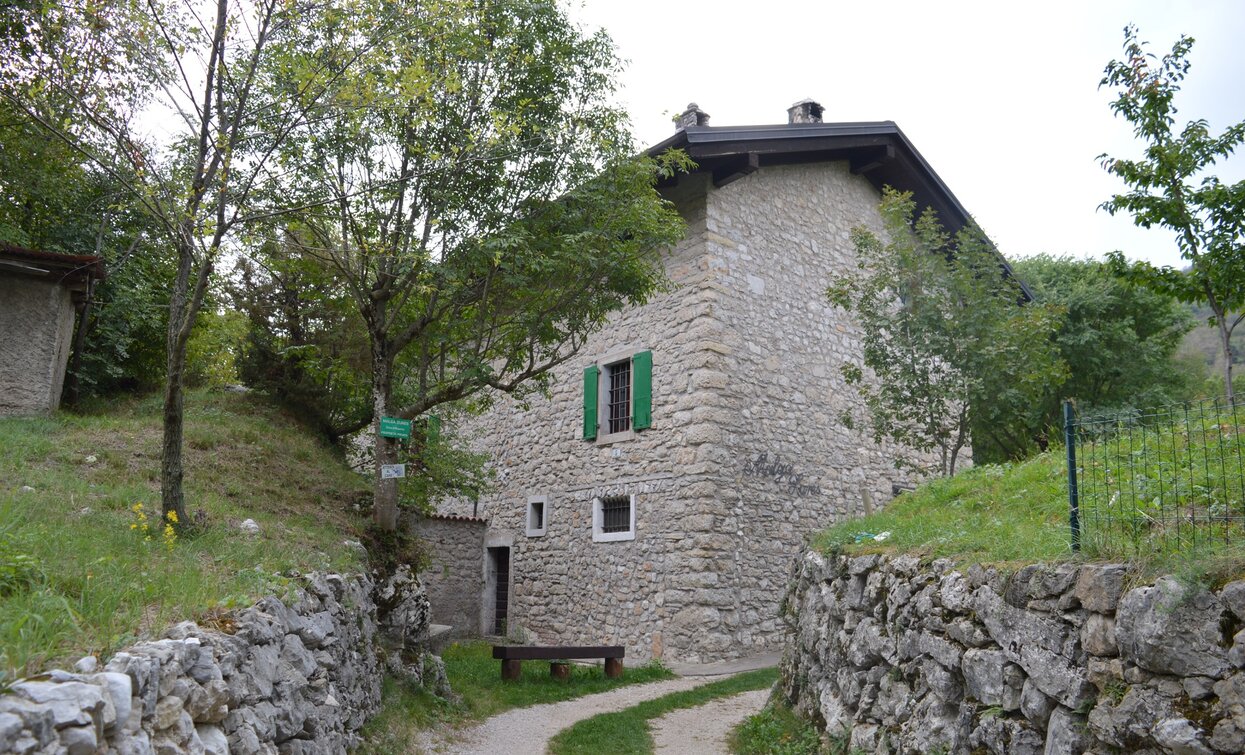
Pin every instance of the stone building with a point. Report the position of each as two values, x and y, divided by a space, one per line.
658 497
39 294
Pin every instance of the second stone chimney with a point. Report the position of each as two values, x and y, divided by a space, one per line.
693 116
805 111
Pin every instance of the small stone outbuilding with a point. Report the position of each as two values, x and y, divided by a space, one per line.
39 294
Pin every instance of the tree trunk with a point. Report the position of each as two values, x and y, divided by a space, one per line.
385 497
184 303
73 382
1225 340
172 499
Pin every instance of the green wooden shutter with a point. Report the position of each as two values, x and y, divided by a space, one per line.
642 390
590 402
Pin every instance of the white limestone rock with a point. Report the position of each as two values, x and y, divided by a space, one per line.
1172 629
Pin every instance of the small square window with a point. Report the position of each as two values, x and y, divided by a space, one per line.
537 515
613 518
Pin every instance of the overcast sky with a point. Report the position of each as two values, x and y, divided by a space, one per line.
1001 98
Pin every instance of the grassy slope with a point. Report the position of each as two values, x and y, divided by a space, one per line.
96 583
1010 514
993 513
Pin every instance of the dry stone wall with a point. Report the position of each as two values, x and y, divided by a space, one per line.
907 657
274 678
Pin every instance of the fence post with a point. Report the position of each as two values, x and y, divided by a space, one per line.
1074 507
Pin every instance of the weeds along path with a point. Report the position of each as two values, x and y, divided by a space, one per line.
705 729
526 731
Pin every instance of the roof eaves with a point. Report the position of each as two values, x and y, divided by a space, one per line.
692 136
53 265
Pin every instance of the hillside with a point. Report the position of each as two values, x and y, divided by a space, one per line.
1018 513
1202 343
86 567
989 513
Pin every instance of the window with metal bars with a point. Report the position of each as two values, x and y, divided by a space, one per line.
616 514
618 397
618 400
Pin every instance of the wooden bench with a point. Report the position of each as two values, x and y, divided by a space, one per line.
512 657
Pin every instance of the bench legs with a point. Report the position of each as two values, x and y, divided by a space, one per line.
511 670
613 667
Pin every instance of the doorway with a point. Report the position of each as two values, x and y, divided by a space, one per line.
499 589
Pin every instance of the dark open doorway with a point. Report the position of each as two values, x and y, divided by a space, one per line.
499 583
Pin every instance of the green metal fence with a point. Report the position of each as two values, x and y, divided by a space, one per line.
1160 481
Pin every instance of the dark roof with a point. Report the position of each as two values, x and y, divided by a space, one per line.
877 150
67 269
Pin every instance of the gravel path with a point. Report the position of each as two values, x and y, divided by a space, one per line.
527 731
703 730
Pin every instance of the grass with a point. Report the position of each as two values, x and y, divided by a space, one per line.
1170 479
627 731
476 680
990 513
1009 514
776 730
77 572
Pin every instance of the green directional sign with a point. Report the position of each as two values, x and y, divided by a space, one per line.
395 427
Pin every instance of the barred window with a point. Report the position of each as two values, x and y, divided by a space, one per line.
618 397
613 518
616 513
618 401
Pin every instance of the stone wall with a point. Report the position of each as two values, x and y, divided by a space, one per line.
908 657
274 678
790 465
747 453
36 328
454 576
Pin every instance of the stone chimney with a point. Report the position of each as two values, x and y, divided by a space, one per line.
804 111
693 116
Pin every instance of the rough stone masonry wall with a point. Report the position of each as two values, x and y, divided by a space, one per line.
747 454
298 678
454 576
909 657
36 327
789 463
565 588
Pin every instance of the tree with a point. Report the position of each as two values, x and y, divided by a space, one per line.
476 196
305 346
946 343
198 66
1168 187
1118 339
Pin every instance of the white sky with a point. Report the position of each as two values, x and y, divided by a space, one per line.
1000 97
